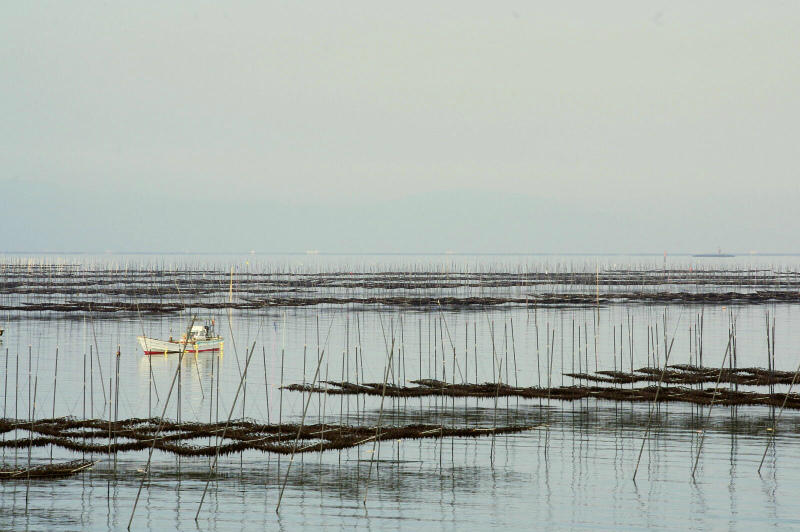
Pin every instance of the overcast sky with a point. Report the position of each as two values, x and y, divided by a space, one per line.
368 126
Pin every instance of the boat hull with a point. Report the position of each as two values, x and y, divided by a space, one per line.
152 346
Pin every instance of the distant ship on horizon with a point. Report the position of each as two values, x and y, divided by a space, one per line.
719 253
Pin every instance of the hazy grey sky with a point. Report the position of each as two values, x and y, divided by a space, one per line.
412 126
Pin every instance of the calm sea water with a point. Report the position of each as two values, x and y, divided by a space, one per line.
574 470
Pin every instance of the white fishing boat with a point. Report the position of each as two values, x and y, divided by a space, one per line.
201 338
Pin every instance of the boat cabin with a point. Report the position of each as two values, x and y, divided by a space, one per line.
199 332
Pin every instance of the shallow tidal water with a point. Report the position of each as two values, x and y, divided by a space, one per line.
572 470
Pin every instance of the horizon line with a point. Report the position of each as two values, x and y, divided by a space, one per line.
417 253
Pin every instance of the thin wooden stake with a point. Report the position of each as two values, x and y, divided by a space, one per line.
652 409
713 398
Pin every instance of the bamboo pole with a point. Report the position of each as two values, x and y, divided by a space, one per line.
652 408
713 398
225 430
300 428
775 420
160 426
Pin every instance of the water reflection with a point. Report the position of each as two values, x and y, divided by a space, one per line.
574 471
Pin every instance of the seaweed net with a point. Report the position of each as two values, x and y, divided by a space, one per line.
57 470
431 387
689 374
532 300
106 289
101 437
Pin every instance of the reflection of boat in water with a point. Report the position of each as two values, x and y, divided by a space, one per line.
201 338
1 331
